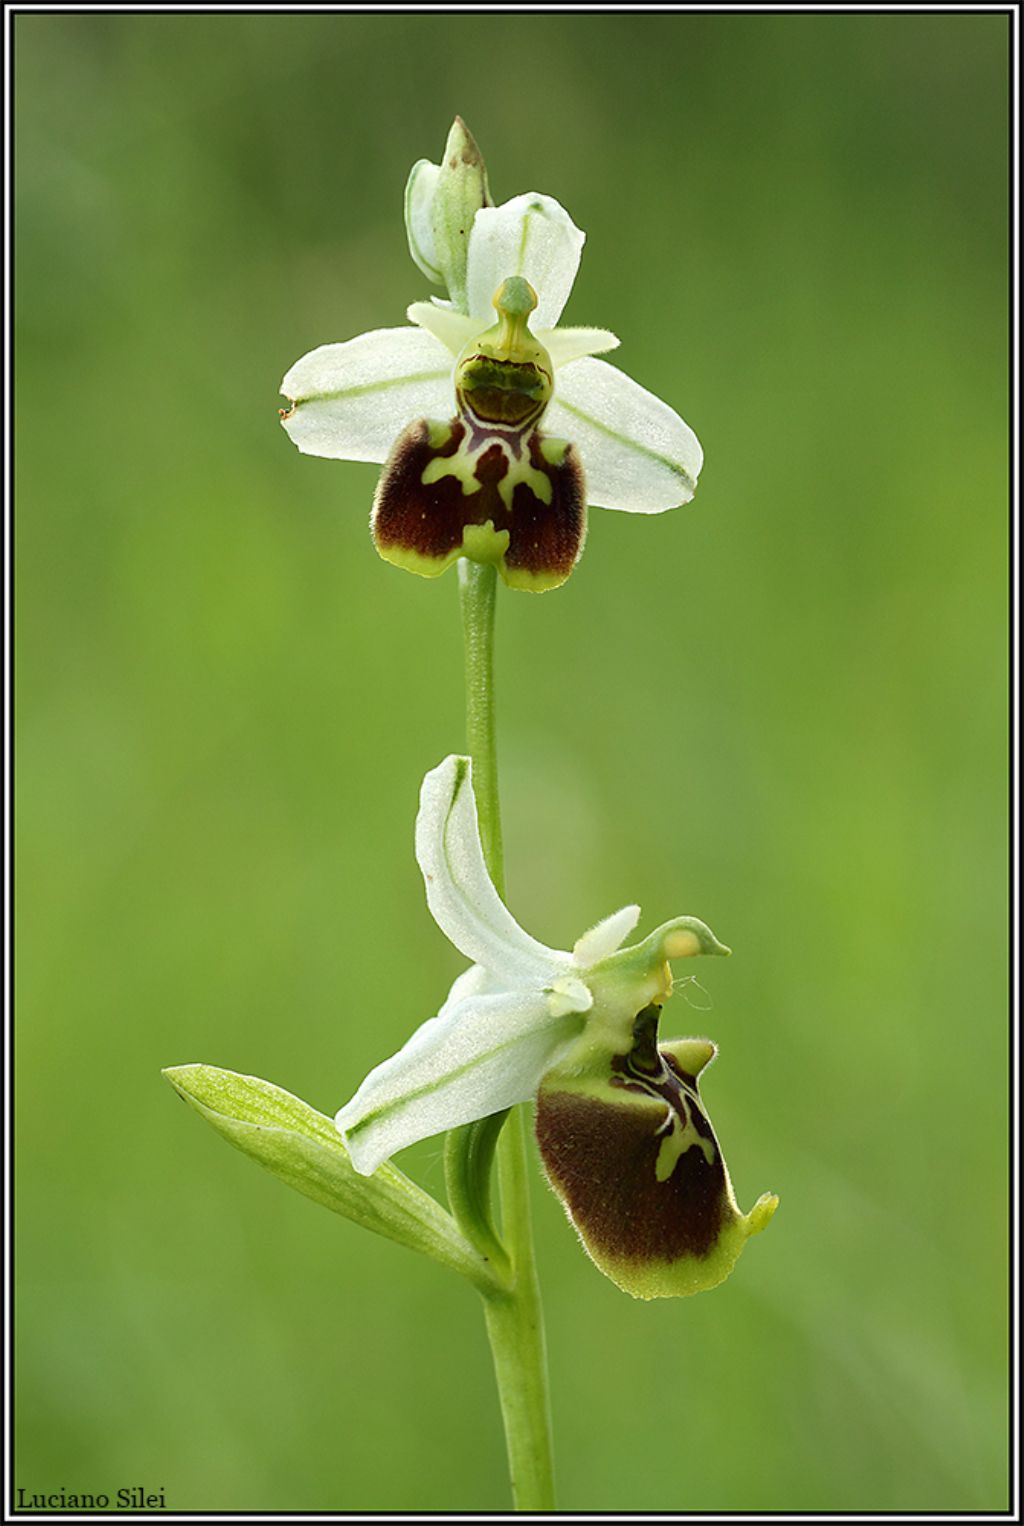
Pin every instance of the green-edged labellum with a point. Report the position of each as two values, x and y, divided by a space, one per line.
452 489
628 1147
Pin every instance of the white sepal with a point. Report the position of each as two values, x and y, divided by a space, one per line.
480 1055
350 401
531 236
461 897
476 981
637 453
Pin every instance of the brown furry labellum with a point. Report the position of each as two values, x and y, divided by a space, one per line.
628 1147
459 489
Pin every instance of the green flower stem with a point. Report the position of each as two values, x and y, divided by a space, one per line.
478 583
515 1328
515 1324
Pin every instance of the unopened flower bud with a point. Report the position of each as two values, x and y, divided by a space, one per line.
441 201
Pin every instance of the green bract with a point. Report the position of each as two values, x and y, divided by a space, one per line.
623 1134
301 1147
494 437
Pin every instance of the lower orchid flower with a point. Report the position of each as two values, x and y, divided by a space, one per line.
623 1134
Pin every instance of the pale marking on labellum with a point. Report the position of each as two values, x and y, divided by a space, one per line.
680 1137
463 467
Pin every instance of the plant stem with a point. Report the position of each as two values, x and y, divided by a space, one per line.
478 585
515 1324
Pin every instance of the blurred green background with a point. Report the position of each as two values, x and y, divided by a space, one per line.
781 708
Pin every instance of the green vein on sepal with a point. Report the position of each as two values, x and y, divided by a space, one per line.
624 439
386 384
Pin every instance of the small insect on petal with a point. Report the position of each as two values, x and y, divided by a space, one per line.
450 490
629 1149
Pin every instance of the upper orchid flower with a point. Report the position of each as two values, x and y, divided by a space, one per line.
454 405
623 1134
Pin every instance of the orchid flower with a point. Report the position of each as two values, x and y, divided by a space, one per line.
454 404
624 1137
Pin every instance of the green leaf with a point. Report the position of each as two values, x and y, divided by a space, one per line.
303 1148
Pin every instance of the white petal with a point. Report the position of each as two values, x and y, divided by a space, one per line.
564 345
461 897
454 330
419 217
484 1054
531 236
568 994
637 452
350 401
605 938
